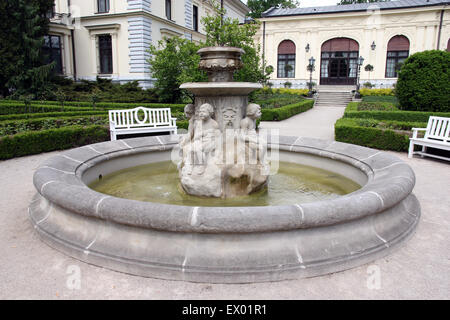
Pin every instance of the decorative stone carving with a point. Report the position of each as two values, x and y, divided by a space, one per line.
220 62
222 153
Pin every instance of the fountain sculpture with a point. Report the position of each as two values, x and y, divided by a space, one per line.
223 156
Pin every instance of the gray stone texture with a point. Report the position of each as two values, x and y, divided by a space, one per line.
225 244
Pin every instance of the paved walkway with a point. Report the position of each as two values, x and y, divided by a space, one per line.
29 269
317 122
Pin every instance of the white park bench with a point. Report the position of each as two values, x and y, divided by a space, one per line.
141 120
437 135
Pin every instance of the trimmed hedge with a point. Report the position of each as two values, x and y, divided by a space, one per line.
406 116
348 130
278 114
23 116
34 142
391 99
99 105
17 126
389 124
376 92
21 108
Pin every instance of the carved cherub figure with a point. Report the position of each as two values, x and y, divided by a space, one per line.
189 112
206 131
249 135
253 113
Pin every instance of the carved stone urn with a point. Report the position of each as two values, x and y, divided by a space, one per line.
220 62
222 154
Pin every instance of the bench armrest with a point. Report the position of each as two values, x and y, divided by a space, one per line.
416 130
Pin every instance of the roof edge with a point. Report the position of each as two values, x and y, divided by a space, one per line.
265 14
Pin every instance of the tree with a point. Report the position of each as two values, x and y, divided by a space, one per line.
257 7
173 62
424 82
22 27
228 32
360 1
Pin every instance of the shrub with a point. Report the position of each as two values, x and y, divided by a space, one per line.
14 127
424 82
391 99
12 106
285 112
379 106
376 92
23 116
409 116
348 130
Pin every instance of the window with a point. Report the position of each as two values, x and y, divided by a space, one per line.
286 59
105 53
52 52
169 9
103 6
195 18
397 52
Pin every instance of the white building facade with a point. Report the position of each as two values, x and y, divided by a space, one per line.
110 38
384 34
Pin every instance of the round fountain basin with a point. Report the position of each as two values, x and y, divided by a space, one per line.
159 182
225 244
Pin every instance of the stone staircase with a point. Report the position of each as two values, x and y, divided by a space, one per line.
334 96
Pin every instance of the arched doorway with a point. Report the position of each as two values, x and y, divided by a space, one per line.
339 62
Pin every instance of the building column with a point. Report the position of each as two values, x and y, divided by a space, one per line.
115 54
67 58
94 55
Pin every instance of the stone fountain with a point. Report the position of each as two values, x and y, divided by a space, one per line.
222 155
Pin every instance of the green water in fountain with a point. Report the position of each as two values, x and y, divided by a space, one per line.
159 182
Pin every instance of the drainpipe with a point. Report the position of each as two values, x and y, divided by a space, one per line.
72 32
264 46
440 29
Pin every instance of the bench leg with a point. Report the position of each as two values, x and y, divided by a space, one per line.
411 149
113 136
424 150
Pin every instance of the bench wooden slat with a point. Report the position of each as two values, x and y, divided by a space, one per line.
128 121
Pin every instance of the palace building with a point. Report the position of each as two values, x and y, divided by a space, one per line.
384 34
110 38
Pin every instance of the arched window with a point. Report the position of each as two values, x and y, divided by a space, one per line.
448 45
397 52
286 59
